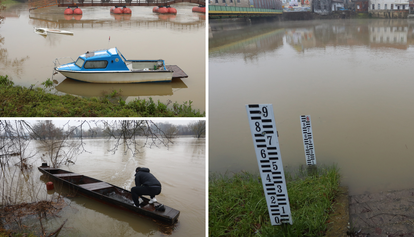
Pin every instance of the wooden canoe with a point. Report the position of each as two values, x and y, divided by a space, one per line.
110 194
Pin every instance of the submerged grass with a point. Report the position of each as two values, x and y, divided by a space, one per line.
18 101
237 205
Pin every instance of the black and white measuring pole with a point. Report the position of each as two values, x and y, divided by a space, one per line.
266 144
305 121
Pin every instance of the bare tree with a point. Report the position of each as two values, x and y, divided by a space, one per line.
14 141
170 130
46 130
198 128
130 132
57 145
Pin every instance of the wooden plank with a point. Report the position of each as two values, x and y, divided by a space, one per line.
95 186
67 175
178 72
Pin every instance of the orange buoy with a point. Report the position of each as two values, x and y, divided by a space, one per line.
163 10
172 10
77 11
117 11
126 10
68 11
49 186
155 9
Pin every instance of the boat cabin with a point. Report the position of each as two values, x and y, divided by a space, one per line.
112 60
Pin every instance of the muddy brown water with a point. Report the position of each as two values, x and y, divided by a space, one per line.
180 168
352 76
27 58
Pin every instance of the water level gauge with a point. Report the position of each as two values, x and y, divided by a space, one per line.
305 121
266 144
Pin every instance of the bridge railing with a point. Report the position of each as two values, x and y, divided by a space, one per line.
227 9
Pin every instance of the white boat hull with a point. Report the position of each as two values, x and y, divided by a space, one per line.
119 77
45 31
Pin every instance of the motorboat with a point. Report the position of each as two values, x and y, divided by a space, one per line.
110 66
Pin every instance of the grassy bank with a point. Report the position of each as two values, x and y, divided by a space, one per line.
18 101
9 3
237 206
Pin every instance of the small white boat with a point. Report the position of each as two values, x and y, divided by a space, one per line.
45 31
110 66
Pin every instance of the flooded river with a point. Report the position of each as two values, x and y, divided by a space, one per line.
180 168
27 58
352 76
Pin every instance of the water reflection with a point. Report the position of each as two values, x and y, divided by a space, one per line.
357 89
16 64
74 87
247 38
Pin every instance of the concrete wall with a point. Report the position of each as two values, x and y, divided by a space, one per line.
388 13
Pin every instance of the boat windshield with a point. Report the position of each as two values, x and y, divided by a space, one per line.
79 62
121 56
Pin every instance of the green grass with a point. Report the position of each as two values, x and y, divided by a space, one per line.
18 101
237 206
9 2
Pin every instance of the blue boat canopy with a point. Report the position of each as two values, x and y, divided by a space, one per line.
108 60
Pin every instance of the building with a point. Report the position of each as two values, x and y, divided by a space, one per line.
322 7
337 4
388 5
361 6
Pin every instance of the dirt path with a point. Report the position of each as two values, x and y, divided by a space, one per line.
383 214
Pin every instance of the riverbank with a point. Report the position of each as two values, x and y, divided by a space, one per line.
237 206
18 101
309 16
382 214
9 3
14 218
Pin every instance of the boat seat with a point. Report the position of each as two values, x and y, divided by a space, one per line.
67 175
95 186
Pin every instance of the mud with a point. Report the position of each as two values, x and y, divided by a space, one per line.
383 214
338 222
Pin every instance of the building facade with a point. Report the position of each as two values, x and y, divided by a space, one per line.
393 5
